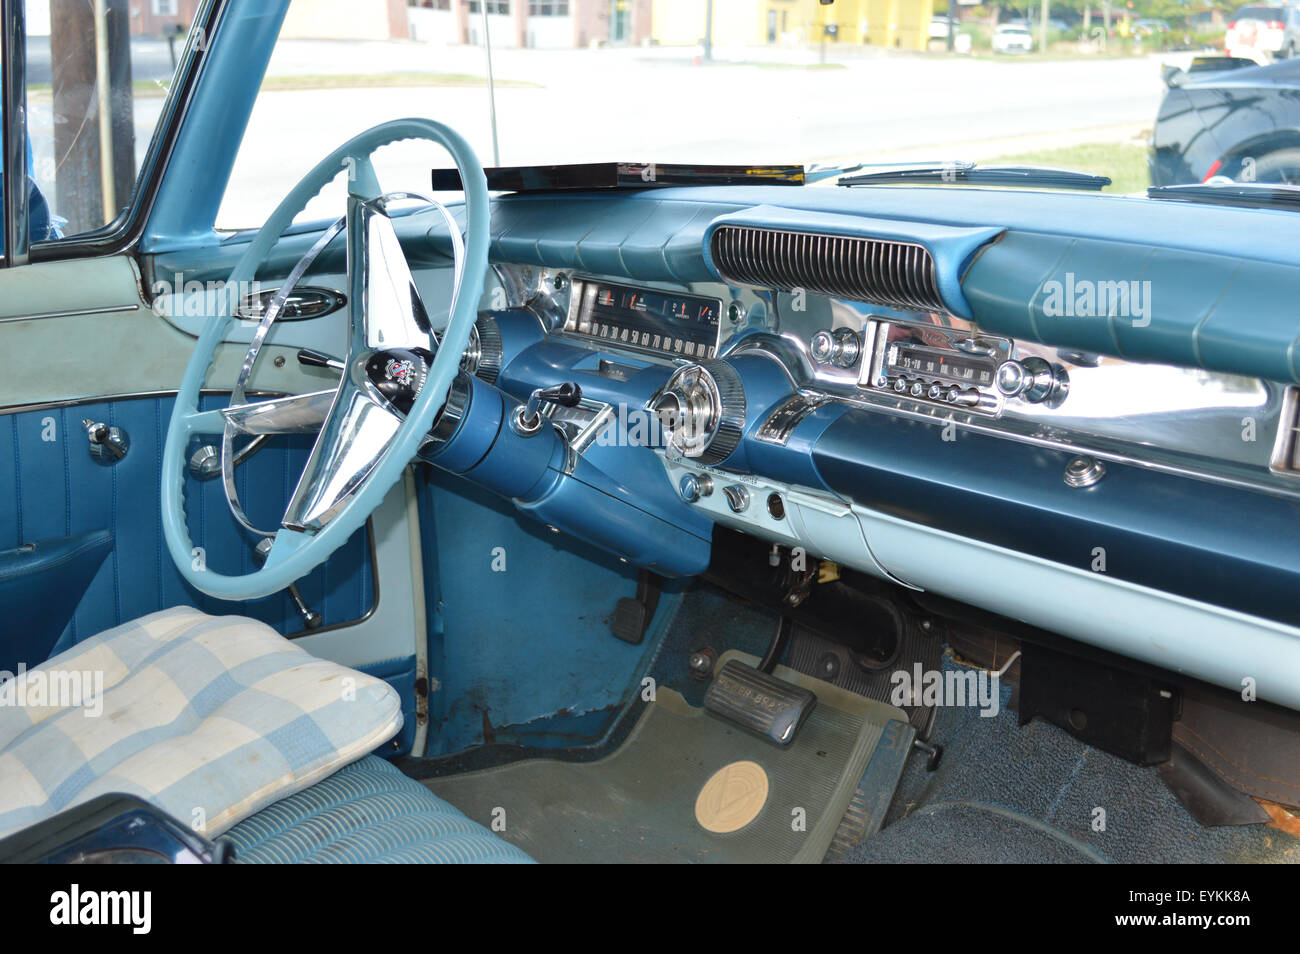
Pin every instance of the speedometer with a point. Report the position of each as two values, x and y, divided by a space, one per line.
644 319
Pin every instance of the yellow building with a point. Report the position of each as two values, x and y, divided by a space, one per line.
900 24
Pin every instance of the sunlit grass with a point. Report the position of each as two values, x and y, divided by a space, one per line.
1124 162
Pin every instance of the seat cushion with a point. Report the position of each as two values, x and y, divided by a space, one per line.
209 718
367 813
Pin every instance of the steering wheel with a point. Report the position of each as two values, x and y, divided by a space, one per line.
365 440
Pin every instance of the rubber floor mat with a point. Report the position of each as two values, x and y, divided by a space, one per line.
640 803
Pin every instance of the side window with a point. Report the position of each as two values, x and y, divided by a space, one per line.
95 91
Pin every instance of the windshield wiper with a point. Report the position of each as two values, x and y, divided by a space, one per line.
1254 195
818 171
968 173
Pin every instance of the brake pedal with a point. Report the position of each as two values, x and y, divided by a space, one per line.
762 704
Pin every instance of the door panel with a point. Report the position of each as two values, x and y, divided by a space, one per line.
54 488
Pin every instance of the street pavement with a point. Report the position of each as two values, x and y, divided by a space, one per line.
661 105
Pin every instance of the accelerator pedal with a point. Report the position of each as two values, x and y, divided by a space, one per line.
760 703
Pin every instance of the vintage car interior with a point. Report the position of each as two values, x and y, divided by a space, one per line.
621 513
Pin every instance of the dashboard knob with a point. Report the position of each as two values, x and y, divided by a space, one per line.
823 347
840 347
917 389
695 486
1012 378
737 497
701 411
1033 379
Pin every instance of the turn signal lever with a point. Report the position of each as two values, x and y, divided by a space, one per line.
318 359
527 418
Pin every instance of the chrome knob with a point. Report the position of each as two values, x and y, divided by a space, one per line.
1034 380
900 385
205 462
695 486
840 347
1012 378
701 411
917 389
737 497
822 347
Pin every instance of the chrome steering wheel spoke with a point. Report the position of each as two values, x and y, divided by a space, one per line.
357 433
391 313
294 414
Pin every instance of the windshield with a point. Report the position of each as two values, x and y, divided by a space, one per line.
1104 89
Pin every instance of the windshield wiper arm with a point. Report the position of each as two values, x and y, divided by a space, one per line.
1254 195
969 173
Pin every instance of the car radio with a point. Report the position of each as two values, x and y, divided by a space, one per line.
949 366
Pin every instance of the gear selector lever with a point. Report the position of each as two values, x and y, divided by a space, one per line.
527 418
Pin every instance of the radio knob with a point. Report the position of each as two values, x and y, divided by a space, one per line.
1034 380
840 347
936 392
1012 378
823 347
917 389
900 385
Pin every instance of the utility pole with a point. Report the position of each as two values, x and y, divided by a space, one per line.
952 20
94 133
708 30
1042 28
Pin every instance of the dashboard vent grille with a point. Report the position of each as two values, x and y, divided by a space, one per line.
1286 450
898 274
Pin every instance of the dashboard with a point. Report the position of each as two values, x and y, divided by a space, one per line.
879 377
1126 503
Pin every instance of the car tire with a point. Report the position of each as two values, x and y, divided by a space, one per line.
1282 165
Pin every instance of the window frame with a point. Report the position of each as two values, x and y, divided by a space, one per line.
123 232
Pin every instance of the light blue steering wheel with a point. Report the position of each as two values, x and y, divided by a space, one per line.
358 429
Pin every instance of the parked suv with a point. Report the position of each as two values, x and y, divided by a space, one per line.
1264 33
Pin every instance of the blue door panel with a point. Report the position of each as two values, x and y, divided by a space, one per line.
51 487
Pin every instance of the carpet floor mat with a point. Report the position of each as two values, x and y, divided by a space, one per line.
682 769
1011 793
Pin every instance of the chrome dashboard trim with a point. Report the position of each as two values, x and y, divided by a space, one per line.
123 396
1285 456
1165 419
74 313
884 271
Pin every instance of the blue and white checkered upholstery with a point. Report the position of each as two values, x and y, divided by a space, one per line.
209 718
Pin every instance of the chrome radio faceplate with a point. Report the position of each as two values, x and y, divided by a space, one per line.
938 365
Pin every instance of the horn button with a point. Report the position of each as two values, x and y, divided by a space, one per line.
398 374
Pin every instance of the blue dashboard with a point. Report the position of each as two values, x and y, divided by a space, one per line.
911 382
1137 496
